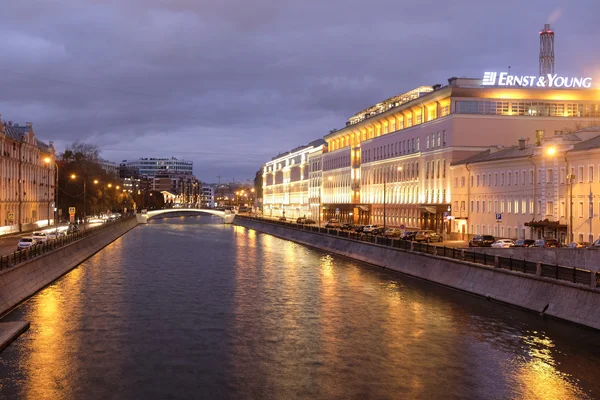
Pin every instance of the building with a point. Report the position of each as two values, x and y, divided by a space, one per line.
390 163
531 191
207 196
151 167
286 182
28 176
182 189
109 167
315 183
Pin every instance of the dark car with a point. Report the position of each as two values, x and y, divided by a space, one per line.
304 220
409 235
377 230
546 243
359 228
524 242
282 218
347 227
332 224
482 241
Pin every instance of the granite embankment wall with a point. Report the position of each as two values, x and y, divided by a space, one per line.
572 302
25 279
580 258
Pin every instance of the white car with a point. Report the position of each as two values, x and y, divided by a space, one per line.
503 243
26 243
53 235
40 237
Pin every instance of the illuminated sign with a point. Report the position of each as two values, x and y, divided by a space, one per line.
549 81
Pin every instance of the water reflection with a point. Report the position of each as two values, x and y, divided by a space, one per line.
189 308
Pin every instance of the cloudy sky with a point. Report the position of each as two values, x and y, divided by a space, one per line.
231 83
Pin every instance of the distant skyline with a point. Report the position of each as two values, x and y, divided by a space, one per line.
230 84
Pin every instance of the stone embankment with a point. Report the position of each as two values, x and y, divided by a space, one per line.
564 300
21 281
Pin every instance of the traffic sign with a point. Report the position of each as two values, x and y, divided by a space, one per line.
11 216
71 211
499 216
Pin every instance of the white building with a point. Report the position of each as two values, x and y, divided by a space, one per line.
531 191
286 182
150 167
207 197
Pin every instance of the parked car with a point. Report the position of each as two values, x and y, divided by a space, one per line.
301 220
392 232
377 231
369 228
595 245
347 227
26 243
524 242
73 228
503 244
482 241
333 224
428 236
282 218
408 235
359 228
578 245
40 237
546 243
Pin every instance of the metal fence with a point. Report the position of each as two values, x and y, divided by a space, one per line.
23 255
558 272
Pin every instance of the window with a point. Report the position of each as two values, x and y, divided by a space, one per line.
483 206
580 174
509 178
439 139
502 179
455 182
496 179
581 209
472 202
523 207
516 210
549 208
477 205
495 206
591 173
482 177
427 142
444 138
531 177
562 209
539 205
591 210
462 181
549 175
472 179
477 180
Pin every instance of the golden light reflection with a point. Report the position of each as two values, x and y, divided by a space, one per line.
51 318
537 375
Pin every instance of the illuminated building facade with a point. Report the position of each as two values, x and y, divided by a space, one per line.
286 182
550 189
393 159
28 182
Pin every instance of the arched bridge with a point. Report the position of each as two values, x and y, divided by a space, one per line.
227 215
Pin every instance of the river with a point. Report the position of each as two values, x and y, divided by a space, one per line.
191 308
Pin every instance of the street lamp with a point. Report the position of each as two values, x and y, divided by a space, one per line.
73 176
48 161
552 151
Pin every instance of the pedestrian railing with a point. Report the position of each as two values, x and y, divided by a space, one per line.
558 272
23 255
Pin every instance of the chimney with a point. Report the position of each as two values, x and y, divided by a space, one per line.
522 141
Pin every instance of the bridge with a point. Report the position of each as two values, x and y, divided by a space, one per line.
227 215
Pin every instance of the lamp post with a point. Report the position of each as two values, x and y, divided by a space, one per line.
48 161
551 151
73 176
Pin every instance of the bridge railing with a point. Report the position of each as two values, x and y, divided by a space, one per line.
557 272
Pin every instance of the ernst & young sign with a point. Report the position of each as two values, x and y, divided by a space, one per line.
549 81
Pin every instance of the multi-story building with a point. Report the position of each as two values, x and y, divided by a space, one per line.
109 167
315 183
150 167
207 197
390 163
182 189
28 176
286 182
531 191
